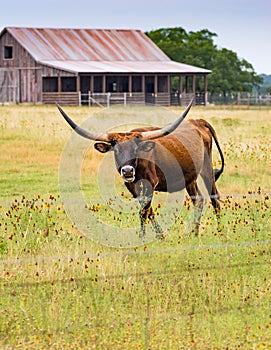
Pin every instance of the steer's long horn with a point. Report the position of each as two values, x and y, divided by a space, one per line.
87 134
154 134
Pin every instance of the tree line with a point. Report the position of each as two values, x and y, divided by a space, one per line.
229 72
266 85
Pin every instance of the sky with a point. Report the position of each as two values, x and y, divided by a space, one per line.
243 26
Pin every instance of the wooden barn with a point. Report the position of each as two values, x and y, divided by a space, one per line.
74 66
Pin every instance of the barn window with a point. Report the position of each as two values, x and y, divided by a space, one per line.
162 84
68 84
8 53
117 84
112 84
50 84
149 84
98 83
137 84
123 84
188 84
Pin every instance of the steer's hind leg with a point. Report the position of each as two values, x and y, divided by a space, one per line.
209 180
197 200
214 195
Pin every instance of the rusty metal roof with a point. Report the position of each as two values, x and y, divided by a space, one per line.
97 50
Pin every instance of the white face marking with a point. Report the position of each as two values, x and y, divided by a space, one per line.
127 172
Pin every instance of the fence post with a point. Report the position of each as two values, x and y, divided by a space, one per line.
206 98
238 98
80 99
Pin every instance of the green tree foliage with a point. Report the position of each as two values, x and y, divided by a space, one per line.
229 72
266 85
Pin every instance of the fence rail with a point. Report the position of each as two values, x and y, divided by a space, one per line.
108 98
102 99
239 98
11 95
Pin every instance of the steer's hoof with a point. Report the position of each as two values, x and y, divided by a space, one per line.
161 236
159 232
195 231
142 234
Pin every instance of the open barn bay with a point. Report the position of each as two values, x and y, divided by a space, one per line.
61 290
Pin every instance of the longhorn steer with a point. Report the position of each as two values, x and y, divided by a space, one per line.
168 160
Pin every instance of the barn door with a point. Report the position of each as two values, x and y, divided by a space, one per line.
150 89
9 86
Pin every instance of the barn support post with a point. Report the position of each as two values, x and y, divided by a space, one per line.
205 91
194 84
180 88
59 84
168 86
130 84
104 84
155 86
91 83
78 90
143 84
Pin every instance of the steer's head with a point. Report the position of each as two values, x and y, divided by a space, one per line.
126 146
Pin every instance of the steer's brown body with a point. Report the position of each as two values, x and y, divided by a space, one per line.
172 161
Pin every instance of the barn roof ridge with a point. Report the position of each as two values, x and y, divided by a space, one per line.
72 28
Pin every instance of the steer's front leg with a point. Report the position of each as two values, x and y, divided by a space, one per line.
144 196
148 214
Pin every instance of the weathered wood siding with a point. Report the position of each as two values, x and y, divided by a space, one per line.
64 98
21 76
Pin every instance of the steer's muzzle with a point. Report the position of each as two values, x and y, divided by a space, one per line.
127 172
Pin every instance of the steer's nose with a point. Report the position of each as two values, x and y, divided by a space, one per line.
128 173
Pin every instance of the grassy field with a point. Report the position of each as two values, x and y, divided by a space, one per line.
61 290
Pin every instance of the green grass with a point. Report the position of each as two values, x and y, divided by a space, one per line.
60 290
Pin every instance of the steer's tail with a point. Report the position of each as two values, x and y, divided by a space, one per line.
217 172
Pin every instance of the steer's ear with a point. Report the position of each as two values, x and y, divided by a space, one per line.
146 146
102 147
